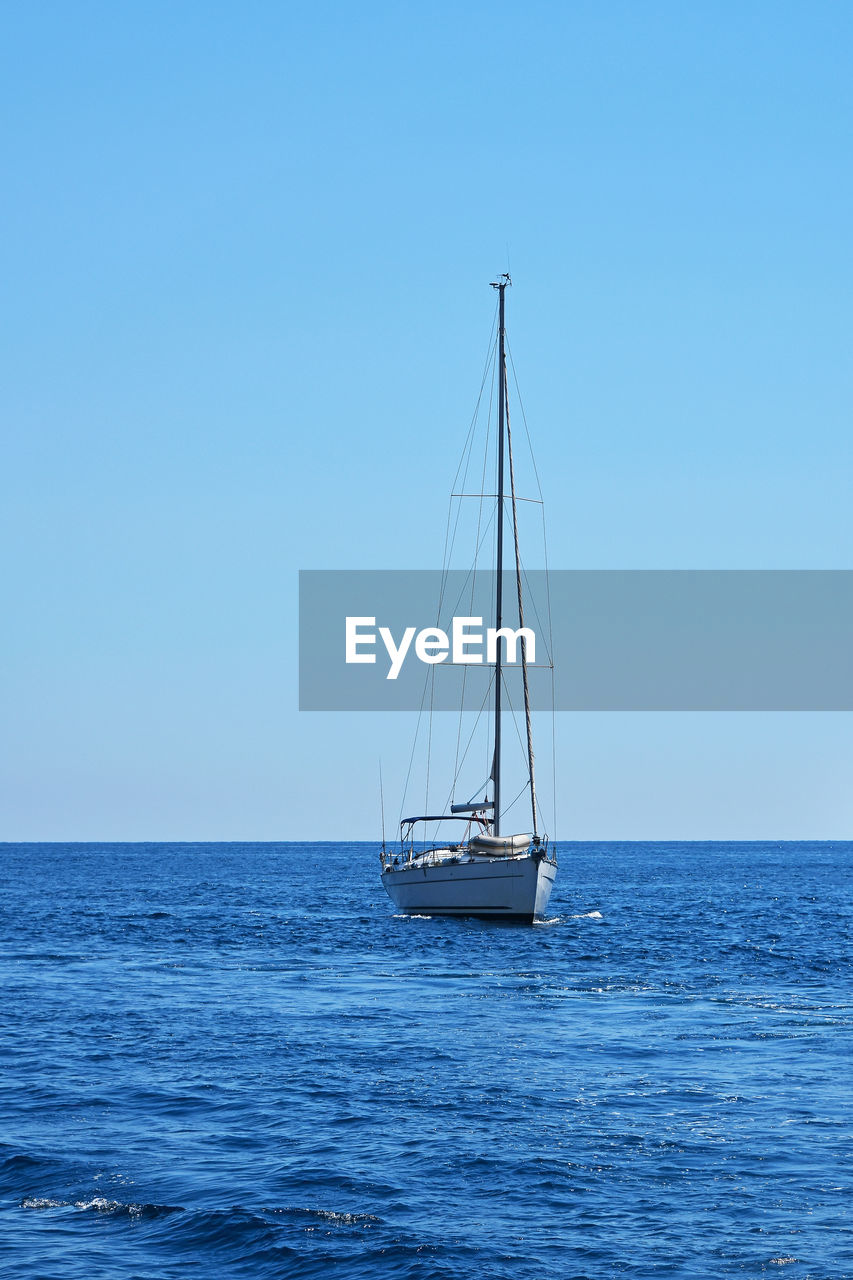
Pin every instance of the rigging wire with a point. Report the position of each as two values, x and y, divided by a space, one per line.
471 736
523 416
547 595
472 573
452 526
525 683
514 802
449 542
467 450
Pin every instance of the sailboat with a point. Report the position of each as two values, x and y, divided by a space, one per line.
485 871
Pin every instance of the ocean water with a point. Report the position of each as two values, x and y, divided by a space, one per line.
235 1060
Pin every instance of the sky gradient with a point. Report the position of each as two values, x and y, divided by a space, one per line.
245 269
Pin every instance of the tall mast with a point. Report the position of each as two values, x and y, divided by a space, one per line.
500 284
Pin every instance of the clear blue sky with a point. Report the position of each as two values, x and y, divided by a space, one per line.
245 261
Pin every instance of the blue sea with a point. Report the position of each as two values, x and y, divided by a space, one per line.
235 1060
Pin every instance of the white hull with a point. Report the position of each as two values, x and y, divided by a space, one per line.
506 888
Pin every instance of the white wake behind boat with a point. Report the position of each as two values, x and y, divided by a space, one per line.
485 872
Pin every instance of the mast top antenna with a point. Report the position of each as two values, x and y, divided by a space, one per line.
502 281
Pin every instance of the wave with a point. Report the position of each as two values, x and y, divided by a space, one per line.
100 1204
333 1216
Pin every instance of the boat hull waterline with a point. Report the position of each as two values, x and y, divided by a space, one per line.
505 888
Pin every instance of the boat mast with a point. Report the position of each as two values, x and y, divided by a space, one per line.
500 284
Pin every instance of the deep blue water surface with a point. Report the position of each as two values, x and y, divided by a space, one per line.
234 1060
